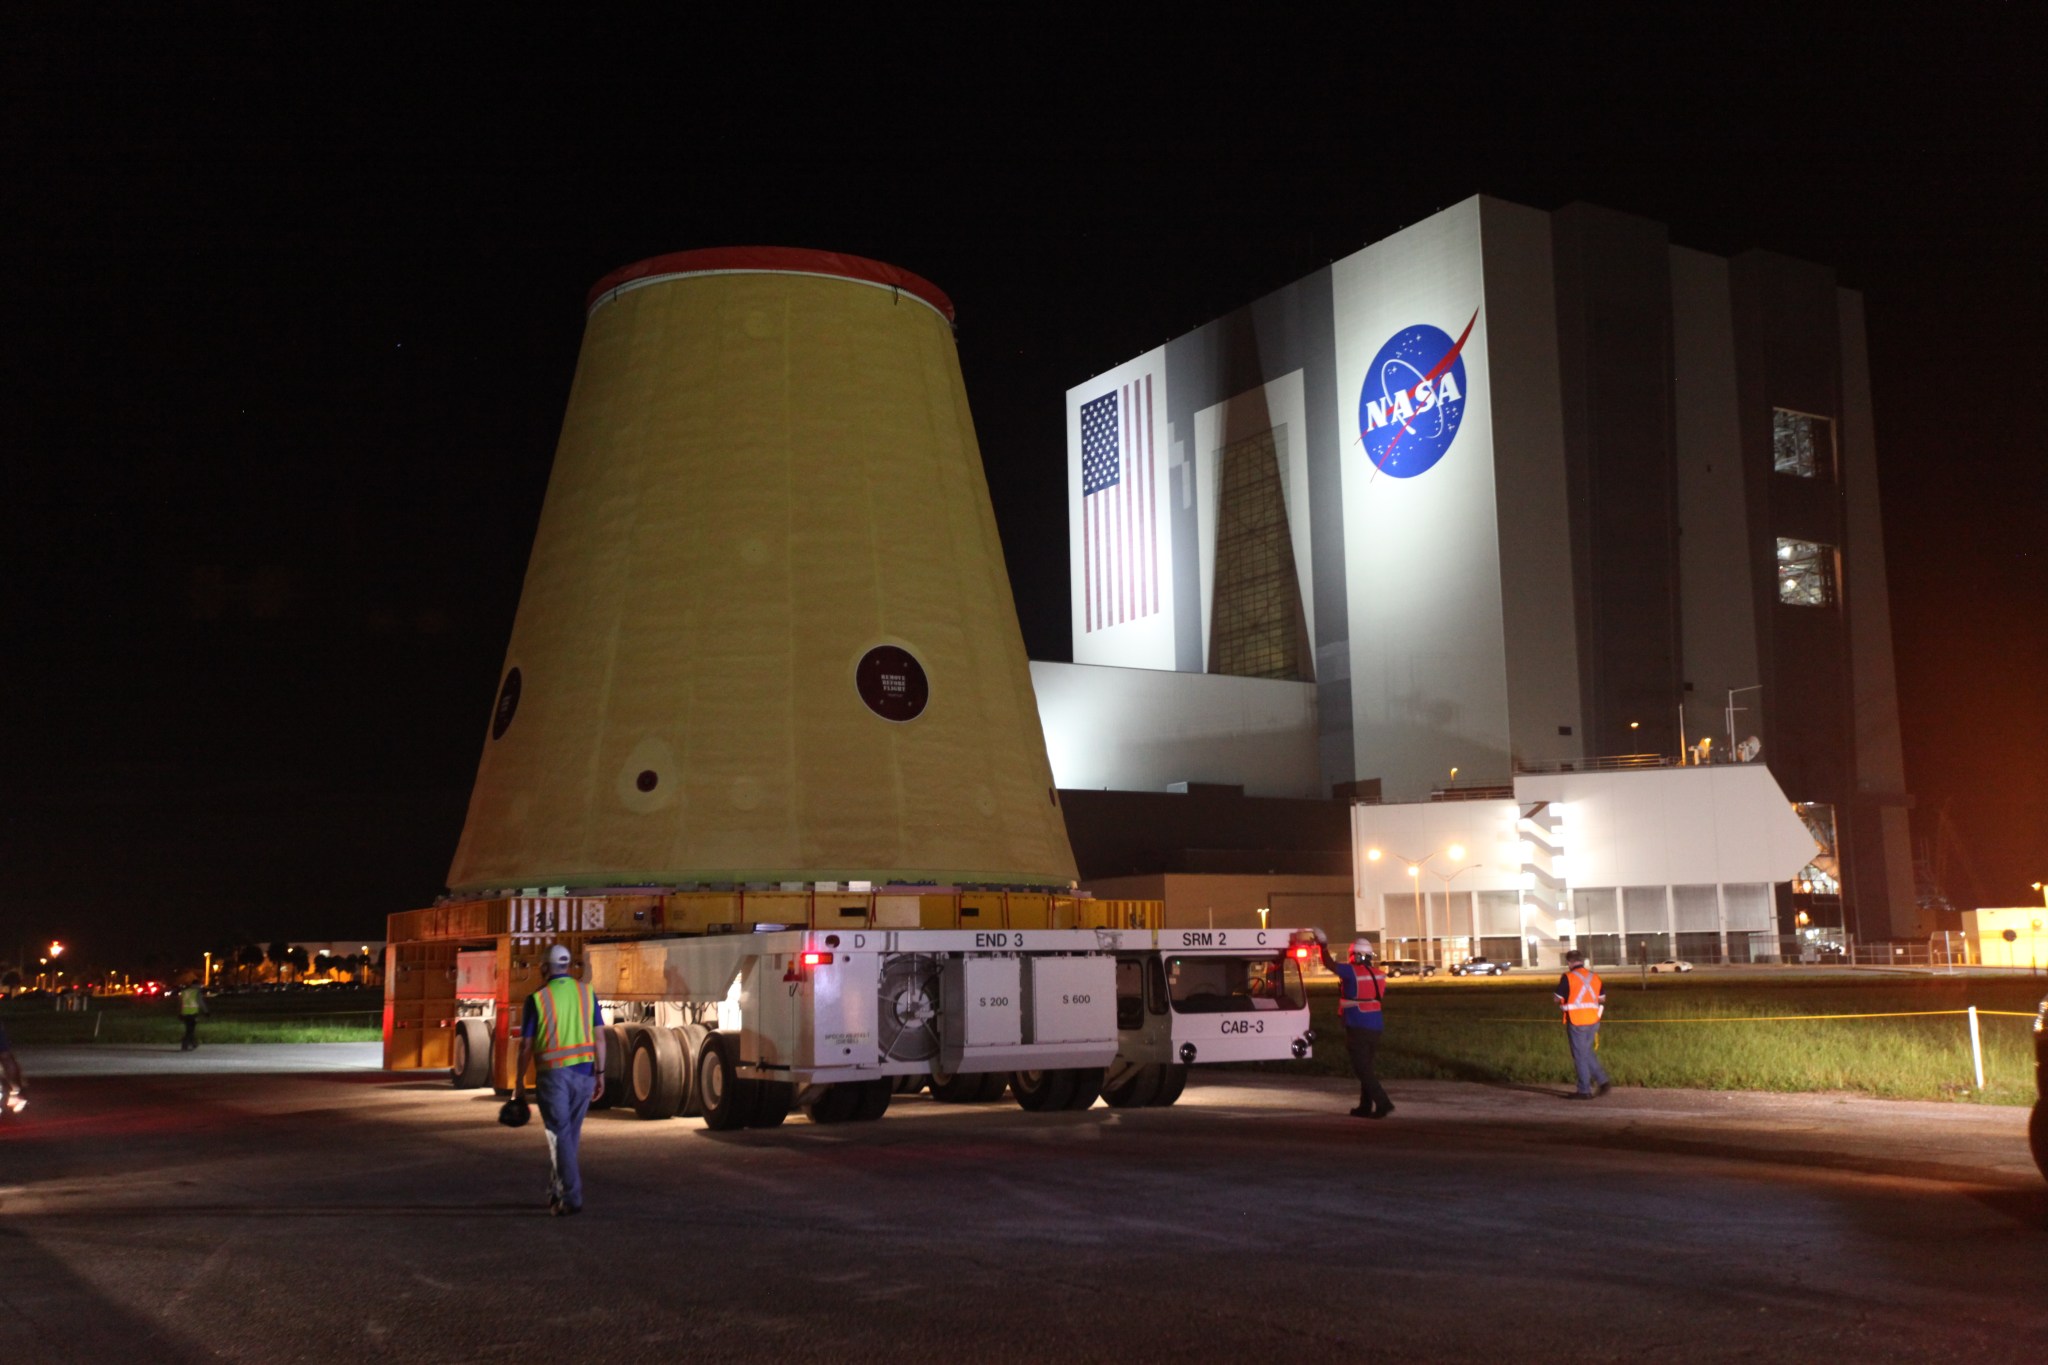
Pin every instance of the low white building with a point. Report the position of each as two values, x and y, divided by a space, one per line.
1627 865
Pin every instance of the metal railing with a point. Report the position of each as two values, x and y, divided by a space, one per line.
1604 763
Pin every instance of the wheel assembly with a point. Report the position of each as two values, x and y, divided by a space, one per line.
1042 1090
1087 1084
470 1067
690 1037
772 1102
965 1088
618 1060
833 1103
656 1081
1172 1080
727 1101
872 1099
1136 1090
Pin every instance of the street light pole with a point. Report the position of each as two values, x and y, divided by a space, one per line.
1424 916
1422 911
1447 878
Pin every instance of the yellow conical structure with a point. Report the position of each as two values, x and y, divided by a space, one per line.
766 632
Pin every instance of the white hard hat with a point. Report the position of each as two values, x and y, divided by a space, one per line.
1362 947
558 959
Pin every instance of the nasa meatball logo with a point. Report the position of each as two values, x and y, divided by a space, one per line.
1413 401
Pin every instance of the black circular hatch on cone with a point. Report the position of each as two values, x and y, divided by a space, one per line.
892 683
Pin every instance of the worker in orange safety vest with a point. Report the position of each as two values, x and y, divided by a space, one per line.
1583 998
1363 988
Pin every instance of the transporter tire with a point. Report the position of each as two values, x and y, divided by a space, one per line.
1136 1090
949 1088
658 1086
1039 1091
772 1102
907 1085
993 1084
833 1104
1087 1085
2037 1135
1173 1078
691 1036
470 1055
616 1062
871 1099
728 1102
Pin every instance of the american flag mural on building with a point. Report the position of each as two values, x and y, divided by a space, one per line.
1119 518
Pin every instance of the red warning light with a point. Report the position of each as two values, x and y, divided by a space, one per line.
816 959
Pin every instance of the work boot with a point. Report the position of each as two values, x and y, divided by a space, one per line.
1382 1111
1603 1089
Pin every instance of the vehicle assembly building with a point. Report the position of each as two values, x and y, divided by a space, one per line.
1506 498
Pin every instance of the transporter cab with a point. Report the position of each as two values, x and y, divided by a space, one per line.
739 1028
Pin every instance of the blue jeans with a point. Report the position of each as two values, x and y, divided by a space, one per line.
564 1096
1584 1060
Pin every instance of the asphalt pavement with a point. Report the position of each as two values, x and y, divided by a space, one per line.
300 1205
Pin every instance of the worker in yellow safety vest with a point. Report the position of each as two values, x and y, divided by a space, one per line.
191 1004
11 1101
1583 998
562 1036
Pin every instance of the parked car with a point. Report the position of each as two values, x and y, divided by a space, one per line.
1479 966
1407 966
2037 1126
1671 964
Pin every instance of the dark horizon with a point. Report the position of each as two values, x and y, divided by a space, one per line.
296 312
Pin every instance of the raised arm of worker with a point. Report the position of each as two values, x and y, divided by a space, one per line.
1330 964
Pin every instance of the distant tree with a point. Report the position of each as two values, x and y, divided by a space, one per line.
251 957
11 979
324 965
280 956
295 958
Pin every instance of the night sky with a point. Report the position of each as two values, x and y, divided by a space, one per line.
292 307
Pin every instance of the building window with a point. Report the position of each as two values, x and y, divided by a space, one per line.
1806 573
1802 445
1822 876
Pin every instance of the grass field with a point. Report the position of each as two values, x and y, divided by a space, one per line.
1507 1030
1501 1030
281 1017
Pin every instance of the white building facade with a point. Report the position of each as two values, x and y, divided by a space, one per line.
1630 866
1506 493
